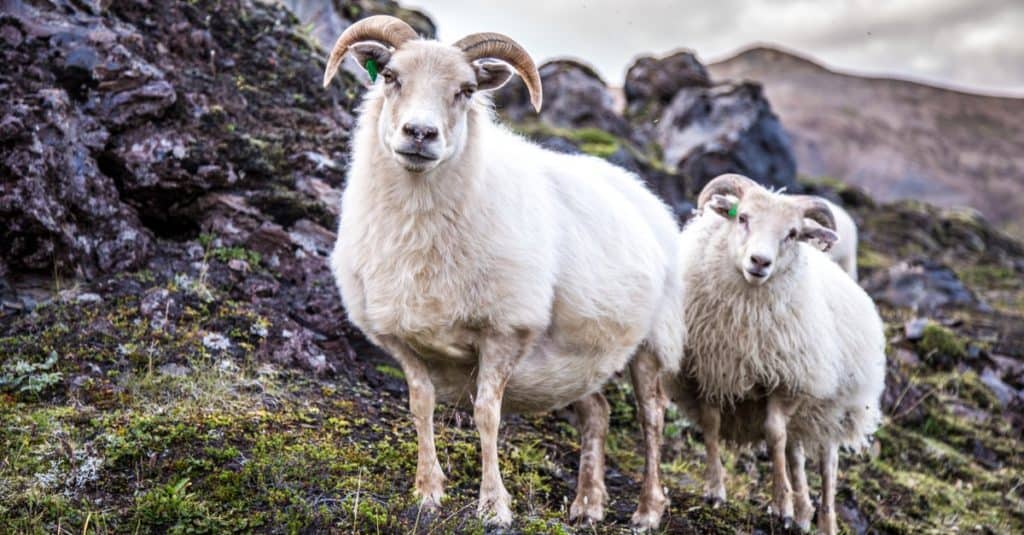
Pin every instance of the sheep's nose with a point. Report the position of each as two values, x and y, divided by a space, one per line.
419 132
760 261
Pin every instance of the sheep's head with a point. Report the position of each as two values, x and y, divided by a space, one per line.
765 227
427 87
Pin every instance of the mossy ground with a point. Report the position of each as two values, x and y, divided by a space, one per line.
239 445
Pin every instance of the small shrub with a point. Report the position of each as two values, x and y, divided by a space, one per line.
939 340
30 378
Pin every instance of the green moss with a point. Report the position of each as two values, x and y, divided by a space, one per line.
829 182
868 258
390 371
990 277
940 340
226 254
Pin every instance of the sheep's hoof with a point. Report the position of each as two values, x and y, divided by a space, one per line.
430 498
646 521
586 509
648 514
494 509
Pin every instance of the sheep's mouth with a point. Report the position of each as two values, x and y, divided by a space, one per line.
756 276
417 157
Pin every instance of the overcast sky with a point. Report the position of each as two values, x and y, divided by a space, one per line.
968 44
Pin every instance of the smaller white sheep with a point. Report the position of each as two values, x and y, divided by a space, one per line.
779 335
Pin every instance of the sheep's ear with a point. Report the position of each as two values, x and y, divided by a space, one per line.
491 74
367 50
818 236
723 205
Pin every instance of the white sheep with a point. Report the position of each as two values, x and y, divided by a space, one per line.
844 252
780 341
494 271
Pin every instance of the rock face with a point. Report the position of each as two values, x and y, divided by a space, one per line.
121 120
652 82
726 128
701 130
574 97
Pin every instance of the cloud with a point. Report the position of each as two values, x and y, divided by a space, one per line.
974 45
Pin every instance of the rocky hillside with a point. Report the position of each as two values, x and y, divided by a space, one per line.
174 356
897 139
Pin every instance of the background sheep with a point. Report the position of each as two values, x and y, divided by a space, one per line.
495 271
776 334
844 251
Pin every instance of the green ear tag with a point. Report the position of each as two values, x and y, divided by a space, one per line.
732 210
371 69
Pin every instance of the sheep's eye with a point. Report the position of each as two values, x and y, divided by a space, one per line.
466 92
792 234
743 219
389 77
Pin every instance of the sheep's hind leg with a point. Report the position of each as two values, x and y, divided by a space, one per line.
804 510
499 354
429 485
829 468
592 412
645 372
714 473
775 424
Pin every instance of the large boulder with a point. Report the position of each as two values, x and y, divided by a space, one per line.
725 128
652 82
575 96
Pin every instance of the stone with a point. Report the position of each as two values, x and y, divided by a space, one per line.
172 369
922 285
652 82
913 330
574 97
1002 391
726 128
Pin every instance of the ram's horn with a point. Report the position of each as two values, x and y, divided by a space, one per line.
816 210
727 184
496 46
383 29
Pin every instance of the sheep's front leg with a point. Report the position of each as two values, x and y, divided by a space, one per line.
714 474
592 412
499 354
804 510
645 372
430 478
776 421
829 469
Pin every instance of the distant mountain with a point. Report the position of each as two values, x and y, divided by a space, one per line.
896 138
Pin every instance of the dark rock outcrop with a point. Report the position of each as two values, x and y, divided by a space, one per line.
652 82
727 128
575 96
920 285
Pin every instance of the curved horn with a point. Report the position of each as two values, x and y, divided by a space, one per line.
384 29
727 184
497 46
816 210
